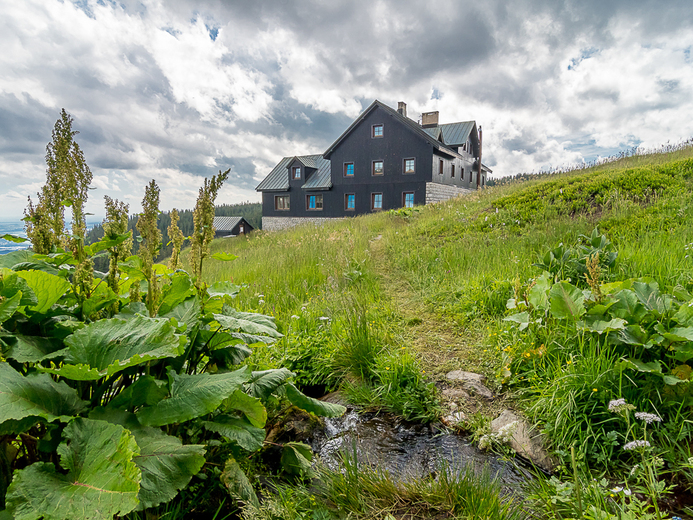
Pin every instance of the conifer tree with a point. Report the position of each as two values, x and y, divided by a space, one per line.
151 242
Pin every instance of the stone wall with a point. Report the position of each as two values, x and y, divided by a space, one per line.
438 192
279 223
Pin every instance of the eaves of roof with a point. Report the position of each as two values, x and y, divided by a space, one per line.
412 125
226 223
278 178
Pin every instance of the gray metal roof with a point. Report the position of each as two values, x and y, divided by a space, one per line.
226 223
278 178
454 134
412 125
321 179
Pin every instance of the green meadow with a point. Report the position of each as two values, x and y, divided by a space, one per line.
570 292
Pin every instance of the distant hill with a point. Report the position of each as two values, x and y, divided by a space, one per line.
250 211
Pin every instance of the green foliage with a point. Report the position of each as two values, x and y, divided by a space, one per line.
151 242
102 479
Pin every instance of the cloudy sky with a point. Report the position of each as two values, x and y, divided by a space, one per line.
177 90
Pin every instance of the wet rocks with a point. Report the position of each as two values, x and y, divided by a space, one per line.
471 382
455 420
526 440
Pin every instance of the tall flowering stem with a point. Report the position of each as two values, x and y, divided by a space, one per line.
116 223
177 238
203 218
151 242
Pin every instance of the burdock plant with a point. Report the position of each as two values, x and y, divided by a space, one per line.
116 223
203 217
177 239
151 241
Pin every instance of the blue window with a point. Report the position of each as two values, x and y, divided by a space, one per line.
296 172
377 131
350 201
349 169
376 201
408 199
314 202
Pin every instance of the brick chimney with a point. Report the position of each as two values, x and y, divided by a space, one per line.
402 108
429 119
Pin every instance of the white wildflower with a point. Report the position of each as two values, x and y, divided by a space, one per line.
294 317
261 302
627 492
617 489
649 418
260 295
323 318
634 445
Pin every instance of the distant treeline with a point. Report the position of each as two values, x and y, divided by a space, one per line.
250 211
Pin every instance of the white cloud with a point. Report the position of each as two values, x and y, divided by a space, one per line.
155 95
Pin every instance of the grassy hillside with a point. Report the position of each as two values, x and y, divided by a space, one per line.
382 306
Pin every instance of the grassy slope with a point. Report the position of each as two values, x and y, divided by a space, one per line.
426 291
437 279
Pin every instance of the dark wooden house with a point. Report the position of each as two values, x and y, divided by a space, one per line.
231 226
384 160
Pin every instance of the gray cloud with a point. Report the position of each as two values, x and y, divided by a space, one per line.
177 91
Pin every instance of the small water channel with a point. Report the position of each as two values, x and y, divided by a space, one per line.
405 449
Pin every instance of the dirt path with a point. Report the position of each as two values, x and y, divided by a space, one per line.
441 344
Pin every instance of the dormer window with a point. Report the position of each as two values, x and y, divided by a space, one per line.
296 173
377 131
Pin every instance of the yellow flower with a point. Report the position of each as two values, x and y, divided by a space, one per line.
594 389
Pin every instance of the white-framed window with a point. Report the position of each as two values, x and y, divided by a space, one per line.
281 202
409 166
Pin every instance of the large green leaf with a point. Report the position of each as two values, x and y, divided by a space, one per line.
192 396
145 391
653 367
180 289
651 298
47 287
296 458
101 481
224 289
521 318
167 465
106 347
601 326
102 297
632 335
186 314
248 322
264 382
684 315
30 349
252 407
538 295
567 301
11 284
107 242
238 484
35 395
224 257
628 307
9 306
309 404
9 260
241 431
13 238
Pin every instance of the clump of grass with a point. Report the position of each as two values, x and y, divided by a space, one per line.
360 491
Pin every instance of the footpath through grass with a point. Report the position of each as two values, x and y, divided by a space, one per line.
382 306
